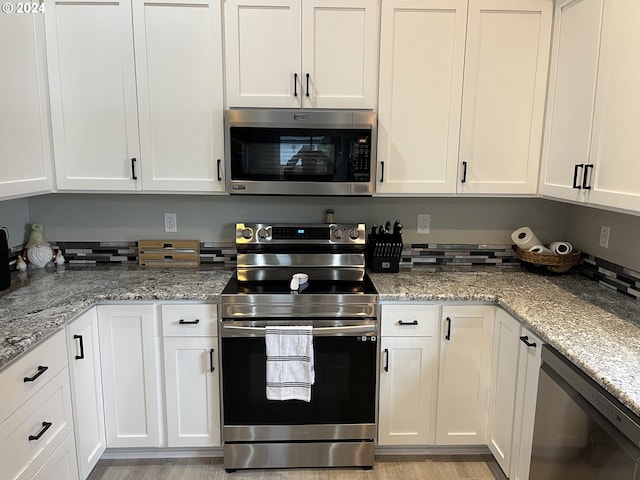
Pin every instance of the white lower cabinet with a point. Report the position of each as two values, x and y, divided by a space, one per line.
129 353
61 465
408 374
191 372
86 390
514 386
465 372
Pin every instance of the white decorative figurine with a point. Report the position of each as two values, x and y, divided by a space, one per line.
21 266
59 258
39 253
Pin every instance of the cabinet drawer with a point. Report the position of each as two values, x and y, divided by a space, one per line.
31 434
40 364
189 320
409 320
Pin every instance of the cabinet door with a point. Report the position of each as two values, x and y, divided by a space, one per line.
192 391
83 345
421 67
526 397
130 371
263 53
339 53
572 87
502 398
465 370
93 94
505 81
178 47
614 154
25 144
408 379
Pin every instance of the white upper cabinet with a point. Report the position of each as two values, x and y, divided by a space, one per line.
438 133
25 143
505 81
301 53
421 67
590 152
178 46
93 94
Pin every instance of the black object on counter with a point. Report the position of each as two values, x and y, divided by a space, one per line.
5 276
384 248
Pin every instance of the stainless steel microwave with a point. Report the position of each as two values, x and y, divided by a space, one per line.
300 152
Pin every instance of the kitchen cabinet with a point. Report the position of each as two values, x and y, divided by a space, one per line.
301 53
35 413
464 374
129 353
441 134
25 137
136 95
589 152
408 374
191 374
83 345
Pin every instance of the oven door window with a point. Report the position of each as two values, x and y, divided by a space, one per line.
276 154
343 392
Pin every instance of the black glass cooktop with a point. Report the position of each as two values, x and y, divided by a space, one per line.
276 287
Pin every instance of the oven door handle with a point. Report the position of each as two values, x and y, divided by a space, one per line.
241 331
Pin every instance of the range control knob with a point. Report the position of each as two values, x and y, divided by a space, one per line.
262 233
338 233
354 233
247 233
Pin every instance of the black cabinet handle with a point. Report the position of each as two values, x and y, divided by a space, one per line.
415 322
45 426
386 359
526 341
189 322
219 175
575 175
585 176
81 356
212 368
295 84
448 335
307 85
133 169
464 172
40 371
381 171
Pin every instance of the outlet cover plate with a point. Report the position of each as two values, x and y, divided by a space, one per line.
170 222
424 224
605 231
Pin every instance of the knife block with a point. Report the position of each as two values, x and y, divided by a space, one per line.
384 252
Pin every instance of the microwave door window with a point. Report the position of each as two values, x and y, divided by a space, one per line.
307 158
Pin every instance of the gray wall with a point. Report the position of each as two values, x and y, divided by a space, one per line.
14 214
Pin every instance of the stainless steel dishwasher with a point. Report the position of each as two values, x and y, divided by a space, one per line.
581 431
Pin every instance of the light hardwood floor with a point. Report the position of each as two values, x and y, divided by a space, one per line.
387 467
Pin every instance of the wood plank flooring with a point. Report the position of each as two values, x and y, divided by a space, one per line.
387 467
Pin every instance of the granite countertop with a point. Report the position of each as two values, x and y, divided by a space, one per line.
594 327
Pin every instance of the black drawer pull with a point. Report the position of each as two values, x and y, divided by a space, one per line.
81 356
448 335
133 169
526 341
295 84
189 322
40 371
415 322
45 426
382 171
464 172
386 361
212 368
575 175
307 94
219 175
585 177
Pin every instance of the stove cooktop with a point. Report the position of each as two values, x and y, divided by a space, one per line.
312 287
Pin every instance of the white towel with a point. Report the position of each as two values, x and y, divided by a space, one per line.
289 362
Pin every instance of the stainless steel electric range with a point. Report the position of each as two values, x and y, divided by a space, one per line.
337 426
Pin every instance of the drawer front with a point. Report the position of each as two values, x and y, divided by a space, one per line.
37 366
31 434
61 465
409 320
189 320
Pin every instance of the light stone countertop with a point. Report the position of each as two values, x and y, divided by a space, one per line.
594 327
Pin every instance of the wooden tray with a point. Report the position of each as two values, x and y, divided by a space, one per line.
169 253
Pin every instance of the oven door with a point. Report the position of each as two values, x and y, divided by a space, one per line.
342 397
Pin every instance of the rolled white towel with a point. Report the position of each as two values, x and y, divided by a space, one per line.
561 248
525 238
539 249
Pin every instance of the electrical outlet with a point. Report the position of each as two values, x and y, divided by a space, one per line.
170 222
424 224
604 236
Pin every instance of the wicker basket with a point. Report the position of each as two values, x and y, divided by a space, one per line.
553 263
